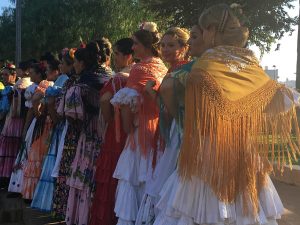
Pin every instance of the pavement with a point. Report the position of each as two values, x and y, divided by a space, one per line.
290 197
13 211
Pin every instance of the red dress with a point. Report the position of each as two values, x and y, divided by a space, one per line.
102 211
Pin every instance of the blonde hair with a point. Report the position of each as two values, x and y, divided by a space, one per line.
181 34
229 31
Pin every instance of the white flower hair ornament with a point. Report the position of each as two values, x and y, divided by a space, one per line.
237 8
149 26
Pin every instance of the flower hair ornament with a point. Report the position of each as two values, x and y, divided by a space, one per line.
10 66
82 44
237 6
71 52
149 26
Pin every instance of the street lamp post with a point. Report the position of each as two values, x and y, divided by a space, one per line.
18 32
298 56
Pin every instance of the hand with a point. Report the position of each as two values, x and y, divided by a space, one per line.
149 86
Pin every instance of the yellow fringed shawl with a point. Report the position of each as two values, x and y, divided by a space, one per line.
235 116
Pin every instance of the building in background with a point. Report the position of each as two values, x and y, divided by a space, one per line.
273 73
289 83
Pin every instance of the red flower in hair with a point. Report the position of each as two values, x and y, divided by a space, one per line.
10 66
82 44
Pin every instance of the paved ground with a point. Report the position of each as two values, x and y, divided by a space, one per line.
290 196
19 211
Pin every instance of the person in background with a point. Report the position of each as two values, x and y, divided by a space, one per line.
140 118
82 107
9 140
174 49
39 145
43 195
102 210
231 109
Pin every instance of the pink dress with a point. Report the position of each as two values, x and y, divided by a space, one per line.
10 139
82 107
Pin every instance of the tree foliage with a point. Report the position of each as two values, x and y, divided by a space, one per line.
267 20
51 25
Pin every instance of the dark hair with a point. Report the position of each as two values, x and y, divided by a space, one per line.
53 64
40 69
24 65
48 56
10 67
89 55
149 40
68 56
32 61
60 56
124 46
105 50
68 59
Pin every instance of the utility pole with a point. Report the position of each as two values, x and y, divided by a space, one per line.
18 32
298 56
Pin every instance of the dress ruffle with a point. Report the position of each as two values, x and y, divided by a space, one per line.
194 202
132 171
10 142
55 171
16 180
33 168
126 96
165 167
43 195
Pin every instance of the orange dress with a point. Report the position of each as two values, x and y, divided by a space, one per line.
135 161
38 149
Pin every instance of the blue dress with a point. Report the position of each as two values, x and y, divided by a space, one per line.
4 99
43 195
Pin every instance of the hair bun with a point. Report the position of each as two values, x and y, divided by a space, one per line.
149 26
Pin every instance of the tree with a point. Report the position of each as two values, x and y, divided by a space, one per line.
51 25
267 21
7 34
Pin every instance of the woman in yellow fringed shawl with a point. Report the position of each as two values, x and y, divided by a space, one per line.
236 118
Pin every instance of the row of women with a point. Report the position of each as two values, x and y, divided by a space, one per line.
183 145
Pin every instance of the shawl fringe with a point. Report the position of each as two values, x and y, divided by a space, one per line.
231 145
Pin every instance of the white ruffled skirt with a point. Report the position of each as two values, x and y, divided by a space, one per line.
166 165
131 171
192 202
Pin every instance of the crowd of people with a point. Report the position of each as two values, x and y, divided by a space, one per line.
178 134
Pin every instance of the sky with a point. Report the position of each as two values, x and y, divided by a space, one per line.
284 60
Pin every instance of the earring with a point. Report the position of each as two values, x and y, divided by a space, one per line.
213 42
